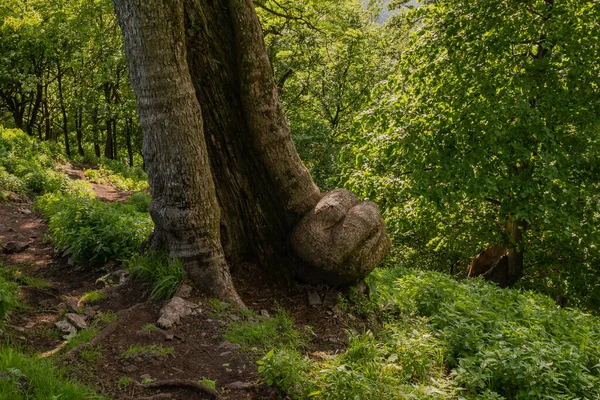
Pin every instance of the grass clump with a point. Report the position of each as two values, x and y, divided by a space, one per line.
264 333
125 381
155 267
30 378
446 339
93 297
8 297
94 231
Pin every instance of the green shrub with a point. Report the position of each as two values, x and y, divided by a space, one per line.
94 231
141 202
120 175
511 343
165 275
28 378
264 333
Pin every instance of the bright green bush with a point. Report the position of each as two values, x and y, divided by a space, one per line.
165 275
120 175
264 333
141 202
94 231
29 378
446 339
518 345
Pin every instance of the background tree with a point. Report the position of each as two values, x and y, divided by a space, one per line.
489 134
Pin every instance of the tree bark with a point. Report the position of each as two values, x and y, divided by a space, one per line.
63 110
227 133
184 204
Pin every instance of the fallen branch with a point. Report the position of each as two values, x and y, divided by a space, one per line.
104 333
183 384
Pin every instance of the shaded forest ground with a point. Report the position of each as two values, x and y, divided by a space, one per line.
137 351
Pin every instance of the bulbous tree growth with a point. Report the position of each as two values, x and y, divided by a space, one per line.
227 183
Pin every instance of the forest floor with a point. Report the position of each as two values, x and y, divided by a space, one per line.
136 352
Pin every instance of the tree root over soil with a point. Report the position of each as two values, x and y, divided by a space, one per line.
107 331
183 384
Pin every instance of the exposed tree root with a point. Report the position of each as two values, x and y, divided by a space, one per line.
183 384
104 333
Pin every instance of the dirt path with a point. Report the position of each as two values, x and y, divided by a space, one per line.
195 348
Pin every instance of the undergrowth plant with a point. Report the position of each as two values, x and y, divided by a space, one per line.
94 231
445 339
8 297
163 274
31 378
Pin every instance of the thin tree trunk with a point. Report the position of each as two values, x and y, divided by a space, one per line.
184 205
79 130
35 109
46 111
63 111
108 145
128 129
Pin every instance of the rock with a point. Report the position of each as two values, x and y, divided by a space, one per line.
184 291
73 305
227 345
234 317
131 368
29 325
47 303
238 385
89 313
145 376
225 354
341 240
25 211
314 299
176 309
331 298
66 328
337 311
14 247
264 313
362 288
70 262
77 320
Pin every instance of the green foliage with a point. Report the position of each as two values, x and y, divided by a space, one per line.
165 275
120 175
8 297
93 297
491 117
125 381
264 333
140 201
31 378
94 231
445 339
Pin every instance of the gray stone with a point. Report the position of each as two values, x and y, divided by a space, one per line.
89 313
228 346
77 320
66 328
173 311
145 376
14 247
73 304
264 313
314 299
234 317
238 385
184 291
331 298
131 368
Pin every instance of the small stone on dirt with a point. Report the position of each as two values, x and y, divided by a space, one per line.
314 299
67 328
131 368
77 320
184 291
89 313
225 354
227 345
25 211
14 247
264 313
176 309
238 385
331 298
73 305
234 318
145 376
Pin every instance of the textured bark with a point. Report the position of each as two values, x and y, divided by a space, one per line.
184 205
246 158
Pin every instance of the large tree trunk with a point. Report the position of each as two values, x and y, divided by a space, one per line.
184 204
263 190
